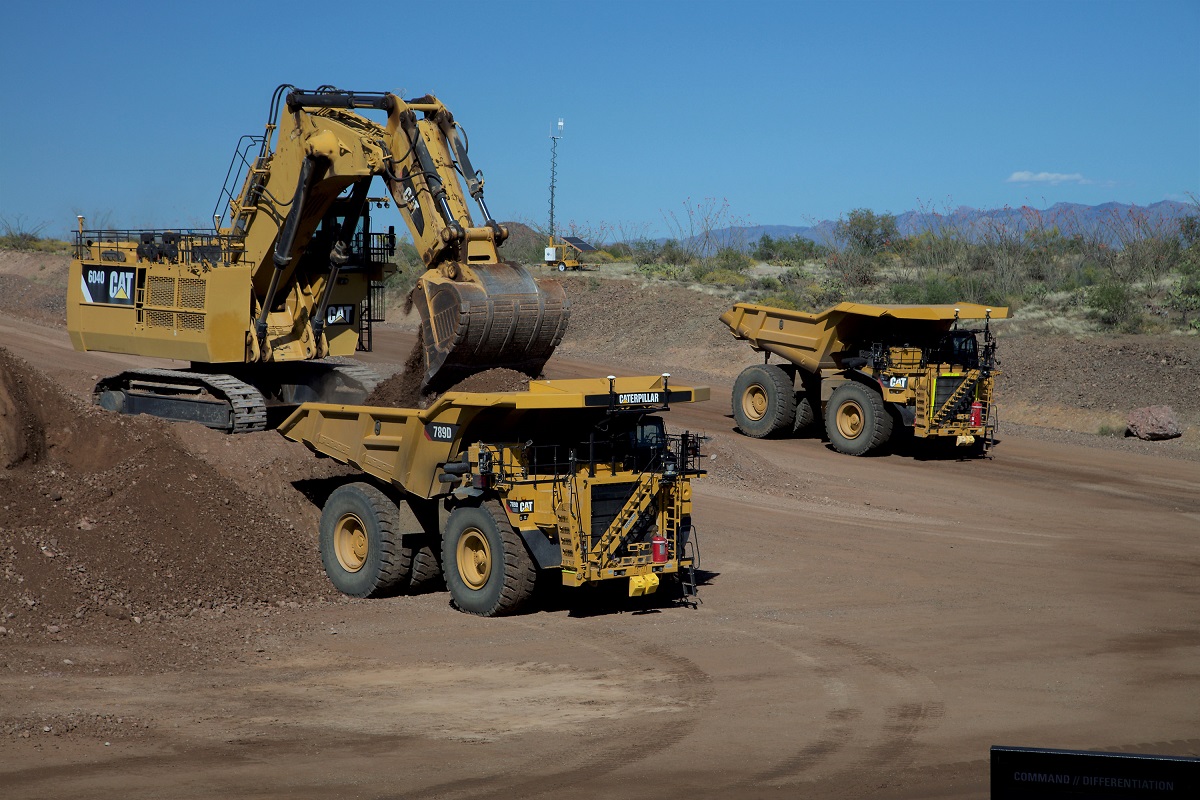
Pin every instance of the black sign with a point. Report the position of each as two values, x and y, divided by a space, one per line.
441 432
647 398
1032 773
111 285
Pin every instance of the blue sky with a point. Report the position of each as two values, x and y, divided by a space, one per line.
789 112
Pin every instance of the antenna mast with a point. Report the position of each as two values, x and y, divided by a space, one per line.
554 137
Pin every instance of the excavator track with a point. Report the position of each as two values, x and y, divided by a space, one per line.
215 400
364 376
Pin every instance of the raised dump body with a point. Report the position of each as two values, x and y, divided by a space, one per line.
867 368
578 476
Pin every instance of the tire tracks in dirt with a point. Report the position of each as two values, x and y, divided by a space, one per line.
629 742
851 672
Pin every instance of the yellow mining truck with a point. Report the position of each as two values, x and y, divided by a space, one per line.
867 368
578 476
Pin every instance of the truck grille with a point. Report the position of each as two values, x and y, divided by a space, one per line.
946 386
607 501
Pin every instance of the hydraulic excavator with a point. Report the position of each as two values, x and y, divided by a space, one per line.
268 304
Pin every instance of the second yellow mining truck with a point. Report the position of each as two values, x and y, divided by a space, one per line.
576 476
866 369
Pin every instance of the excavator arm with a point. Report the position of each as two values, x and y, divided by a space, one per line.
477 310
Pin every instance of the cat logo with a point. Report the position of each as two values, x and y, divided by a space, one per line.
520 506
111 285
339 315
897 383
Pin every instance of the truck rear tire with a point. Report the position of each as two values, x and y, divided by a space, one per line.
360 541
804 414
426 566
764 401
488 570
856 419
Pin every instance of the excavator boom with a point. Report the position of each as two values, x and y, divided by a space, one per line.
477 310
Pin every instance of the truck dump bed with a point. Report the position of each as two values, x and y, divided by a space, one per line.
405 446
812 341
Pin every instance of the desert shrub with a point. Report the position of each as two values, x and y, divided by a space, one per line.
853 267
788 252
620 250
644 252
867 232
810 296
671 272
725 277
1112 303
781 300
732 260
15 234
672 252
931 290
1184 297
795 277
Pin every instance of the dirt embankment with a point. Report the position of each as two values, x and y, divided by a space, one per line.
34 286
109 521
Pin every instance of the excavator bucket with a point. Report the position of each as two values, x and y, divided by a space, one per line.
503 318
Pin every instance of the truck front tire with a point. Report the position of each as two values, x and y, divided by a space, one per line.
360 541
488 570
764 401
856 419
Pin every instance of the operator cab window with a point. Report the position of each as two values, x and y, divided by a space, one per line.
959 347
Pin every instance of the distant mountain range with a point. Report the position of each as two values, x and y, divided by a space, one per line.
1069 217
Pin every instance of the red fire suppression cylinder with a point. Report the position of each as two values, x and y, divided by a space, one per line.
976 414
658 549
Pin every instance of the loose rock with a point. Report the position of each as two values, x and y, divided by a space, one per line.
1154 423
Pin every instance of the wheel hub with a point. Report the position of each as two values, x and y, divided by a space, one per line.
850 420
350 543
754 402
474 559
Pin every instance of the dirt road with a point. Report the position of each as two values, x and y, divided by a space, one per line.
869 628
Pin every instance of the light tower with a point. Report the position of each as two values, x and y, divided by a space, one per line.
554 137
